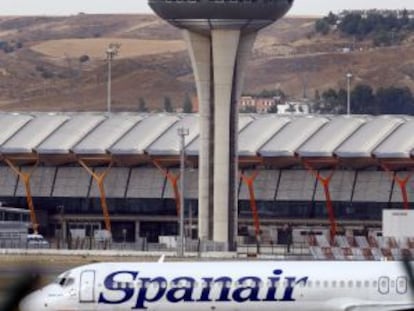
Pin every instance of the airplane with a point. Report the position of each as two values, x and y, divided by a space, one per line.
228 286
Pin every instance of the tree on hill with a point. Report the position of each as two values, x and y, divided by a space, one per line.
331 19
168 104
187 104
363 100
394 100
142 105
385 28
270 93
84 58
350 24
331 101
322 26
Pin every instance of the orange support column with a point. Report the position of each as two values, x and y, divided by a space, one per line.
249 181
325 181
173 179
26 177
401 182
100 179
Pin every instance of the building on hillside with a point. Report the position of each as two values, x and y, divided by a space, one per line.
258 104
274 104
294 107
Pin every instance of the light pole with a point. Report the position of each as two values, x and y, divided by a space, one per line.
111 52
182 132
348 98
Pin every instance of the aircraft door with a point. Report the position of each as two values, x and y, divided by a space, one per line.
402 285
87 286
384 285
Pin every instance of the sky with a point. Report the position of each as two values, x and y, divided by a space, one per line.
61 7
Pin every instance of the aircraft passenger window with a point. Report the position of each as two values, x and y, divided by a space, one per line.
310 283
374 284
350 284
358 284
317 283
366 283
342 284
325 284
333 284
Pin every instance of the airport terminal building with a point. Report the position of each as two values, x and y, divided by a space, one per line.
91 170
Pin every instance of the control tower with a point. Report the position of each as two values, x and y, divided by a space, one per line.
220 35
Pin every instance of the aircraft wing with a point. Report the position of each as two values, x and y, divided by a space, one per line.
379 307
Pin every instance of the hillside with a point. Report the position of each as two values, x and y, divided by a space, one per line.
43 70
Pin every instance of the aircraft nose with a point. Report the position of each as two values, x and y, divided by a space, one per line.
32 302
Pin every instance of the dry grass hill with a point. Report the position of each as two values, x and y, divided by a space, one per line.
44 72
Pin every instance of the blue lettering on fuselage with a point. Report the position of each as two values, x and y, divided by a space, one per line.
188 289
111 285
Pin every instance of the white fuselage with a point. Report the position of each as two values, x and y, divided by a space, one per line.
227 286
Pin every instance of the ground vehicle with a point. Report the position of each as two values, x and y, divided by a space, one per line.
37 241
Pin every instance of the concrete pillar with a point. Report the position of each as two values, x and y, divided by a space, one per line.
200 53
246 43
225 45
219 62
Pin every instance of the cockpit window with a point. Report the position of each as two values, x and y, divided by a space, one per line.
65 280
68 282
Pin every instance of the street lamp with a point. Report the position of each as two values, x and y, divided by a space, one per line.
348 99
182 133
111 52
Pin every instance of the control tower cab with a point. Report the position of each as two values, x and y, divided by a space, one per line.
220 35
203 15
